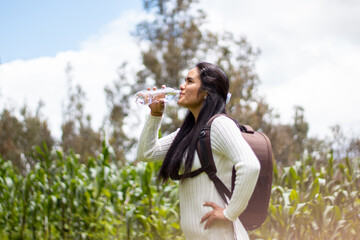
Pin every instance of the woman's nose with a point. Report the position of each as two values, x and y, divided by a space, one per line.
182 86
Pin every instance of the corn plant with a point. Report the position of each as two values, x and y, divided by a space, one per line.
63 199
314 201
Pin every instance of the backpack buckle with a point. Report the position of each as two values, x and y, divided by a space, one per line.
202 134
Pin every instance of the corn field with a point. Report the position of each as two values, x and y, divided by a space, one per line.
313 200
62 199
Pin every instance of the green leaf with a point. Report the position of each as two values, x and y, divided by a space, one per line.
292 178
175 225
315 189
337 214
294 196
106 192
330 166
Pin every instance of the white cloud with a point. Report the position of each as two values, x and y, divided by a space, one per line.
94 67
310 55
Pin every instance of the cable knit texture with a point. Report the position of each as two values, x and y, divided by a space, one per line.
229 148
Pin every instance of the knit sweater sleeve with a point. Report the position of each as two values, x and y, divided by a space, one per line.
150 147
227 140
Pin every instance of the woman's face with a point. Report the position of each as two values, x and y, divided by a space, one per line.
189 96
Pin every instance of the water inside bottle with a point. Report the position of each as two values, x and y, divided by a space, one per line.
147 97
172 95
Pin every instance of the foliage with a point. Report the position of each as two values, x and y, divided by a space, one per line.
64 199
312 200
170 43
118 103
290 140
176 39
19 133
77 133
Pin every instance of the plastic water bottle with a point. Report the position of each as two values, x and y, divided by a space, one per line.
146 97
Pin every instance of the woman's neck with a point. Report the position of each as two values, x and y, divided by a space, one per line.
196 112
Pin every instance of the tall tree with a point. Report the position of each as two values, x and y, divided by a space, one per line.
117 100
353 150
173 42
290 140
77 133
237 57
300 130
20 133
343 144
10 137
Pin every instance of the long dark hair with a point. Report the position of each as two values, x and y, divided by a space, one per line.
215 82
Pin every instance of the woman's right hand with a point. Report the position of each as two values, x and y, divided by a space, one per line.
157 107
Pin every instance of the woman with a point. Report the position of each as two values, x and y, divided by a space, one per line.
204 215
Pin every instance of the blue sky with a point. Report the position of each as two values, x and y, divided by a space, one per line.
31 29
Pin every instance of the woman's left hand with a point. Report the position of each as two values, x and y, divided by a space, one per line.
214 215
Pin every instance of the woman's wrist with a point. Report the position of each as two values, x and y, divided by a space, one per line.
156 114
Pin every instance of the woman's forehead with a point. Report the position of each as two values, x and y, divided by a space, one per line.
193 73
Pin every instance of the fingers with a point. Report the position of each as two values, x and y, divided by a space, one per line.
204 218
211 204
209 222
215 215
209 218
154 88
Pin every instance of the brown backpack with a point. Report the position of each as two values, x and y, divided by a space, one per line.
256 211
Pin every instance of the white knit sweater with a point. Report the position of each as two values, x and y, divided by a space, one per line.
229 148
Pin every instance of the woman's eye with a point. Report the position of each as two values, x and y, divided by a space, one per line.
189 80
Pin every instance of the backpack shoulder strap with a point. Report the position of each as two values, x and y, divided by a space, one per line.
207 161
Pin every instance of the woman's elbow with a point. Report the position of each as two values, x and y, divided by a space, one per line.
253 166
141 157
144 156
250 167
